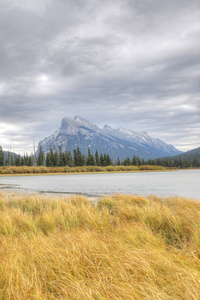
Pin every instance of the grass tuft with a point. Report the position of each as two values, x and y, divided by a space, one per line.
125 247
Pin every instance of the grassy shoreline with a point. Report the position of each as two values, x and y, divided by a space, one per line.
83 173
24 170
126 247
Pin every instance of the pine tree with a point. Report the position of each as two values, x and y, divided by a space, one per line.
127 161
1 157
83 160
90 159
70 159
139 162
17 160
30 160
26 159
55 159
60 158
97 158
21 161
108 160
63 159
66 157
12 160
48 160
134 161
118 162
9 158
79 157
104 160
51 157
75 157
41 157
101 160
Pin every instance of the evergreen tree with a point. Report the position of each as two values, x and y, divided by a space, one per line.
69 159
83 160
75 157
60 158
139 162
17 160
79 157
63 159
66 157
48 160
51 157
90 159
1 157
104 160
30 160
134 161
97 158
55 159
195 163
108 160
41 157
26 159
9 158
21 161
127 161
12 160
101 160
118 162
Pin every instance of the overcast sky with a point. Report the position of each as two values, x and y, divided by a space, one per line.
126 63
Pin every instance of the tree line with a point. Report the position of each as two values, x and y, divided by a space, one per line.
76 158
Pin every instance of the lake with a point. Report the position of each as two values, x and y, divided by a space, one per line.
185 183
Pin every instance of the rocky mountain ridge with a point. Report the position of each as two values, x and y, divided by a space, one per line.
119 142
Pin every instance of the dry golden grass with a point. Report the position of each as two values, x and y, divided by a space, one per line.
8 170
125 247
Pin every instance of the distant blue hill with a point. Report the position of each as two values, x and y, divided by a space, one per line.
6 154
189 155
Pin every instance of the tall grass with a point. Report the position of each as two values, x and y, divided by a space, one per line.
125 247
44 170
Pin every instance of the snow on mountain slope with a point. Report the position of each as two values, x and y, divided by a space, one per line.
86 123
117 142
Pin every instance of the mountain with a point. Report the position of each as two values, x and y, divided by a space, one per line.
11 153
116 142
189 155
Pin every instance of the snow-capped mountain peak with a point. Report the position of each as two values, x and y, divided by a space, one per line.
86 123
119 142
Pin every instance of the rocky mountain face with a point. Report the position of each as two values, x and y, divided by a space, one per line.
116 142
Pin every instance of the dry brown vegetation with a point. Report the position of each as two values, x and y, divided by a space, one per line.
124 247
45 170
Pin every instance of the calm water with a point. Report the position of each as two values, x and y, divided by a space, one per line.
184 183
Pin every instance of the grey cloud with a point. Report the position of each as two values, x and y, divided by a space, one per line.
126 63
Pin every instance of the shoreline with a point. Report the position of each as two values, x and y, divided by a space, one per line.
84 173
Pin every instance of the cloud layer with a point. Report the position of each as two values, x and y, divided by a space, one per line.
127 63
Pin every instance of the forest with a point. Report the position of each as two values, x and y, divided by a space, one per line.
76 158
